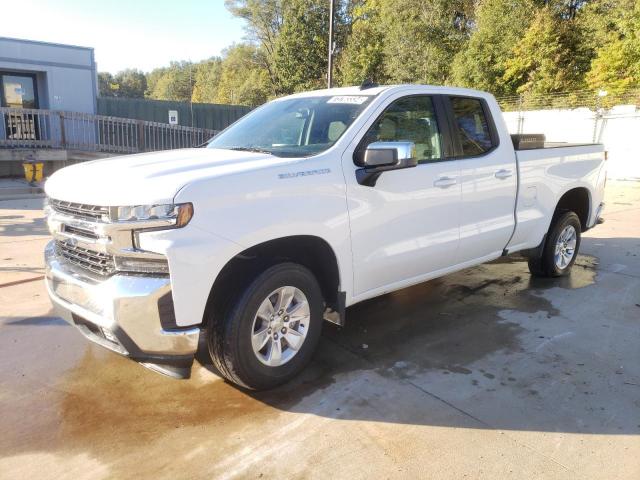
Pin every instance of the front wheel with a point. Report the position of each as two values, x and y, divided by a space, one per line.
561 248
270 332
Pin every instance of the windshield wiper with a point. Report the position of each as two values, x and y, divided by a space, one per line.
251 149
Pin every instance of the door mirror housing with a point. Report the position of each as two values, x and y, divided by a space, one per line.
380 157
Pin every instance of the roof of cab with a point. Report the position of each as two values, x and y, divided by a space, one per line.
341 91
372 91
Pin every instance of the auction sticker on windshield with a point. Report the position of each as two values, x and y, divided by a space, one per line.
352 99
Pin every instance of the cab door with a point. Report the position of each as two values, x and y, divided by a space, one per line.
488 180
406 226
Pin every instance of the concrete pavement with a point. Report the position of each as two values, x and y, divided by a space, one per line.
18 188
486 373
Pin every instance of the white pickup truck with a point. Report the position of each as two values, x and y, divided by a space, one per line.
307 205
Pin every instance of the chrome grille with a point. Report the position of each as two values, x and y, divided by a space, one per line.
96 262
80 232
81 210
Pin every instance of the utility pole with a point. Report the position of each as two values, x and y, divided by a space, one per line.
330 65
191 91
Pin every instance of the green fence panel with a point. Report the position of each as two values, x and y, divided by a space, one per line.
199 115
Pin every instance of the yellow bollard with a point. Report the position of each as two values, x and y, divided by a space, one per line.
37 174
28 171
33 171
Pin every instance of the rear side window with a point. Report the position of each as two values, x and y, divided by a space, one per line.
472 126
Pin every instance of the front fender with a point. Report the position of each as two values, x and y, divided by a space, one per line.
235 212
195 259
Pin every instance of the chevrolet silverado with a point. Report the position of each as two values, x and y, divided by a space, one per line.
305 206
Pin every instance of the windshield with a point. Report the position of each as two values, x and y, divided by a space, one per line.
297 127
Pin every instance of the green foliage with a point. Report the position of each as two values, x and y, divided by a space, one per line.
552 56
133 83
301 48
616 66
363 55
264 19
500 24
243 81
174 83
507 47
207 80
106 85
601 20
422 38
128 83
152 79
404 41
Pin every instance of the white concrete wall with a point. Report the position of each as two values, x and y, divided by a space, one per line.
619 130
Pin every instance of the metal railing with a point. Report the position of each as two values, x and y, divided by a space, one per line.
50 129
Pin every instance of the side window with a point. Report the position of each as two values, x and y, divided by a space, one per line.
410 119
472 126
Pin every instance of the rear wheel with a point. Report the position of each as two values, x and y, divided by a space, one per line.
561 247
270 332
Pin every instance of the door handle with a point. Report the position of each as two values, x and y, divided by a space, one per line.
503 173
445 182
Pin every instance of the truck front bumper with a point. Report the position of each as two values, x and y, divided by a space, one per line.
128 314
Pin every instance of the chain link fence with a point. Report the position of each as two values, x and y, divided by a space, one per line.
569 100
583 117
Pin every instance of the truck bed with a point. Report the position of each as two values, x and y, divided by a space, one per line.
545 174
560 145
537 141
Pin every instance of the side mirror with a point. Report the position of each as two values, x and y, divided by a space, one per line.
380 157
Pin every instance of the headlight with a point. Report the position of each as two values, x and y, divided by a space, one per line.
142 265
178 215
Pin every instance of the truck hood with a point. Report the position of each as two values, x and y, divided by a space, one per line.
149 178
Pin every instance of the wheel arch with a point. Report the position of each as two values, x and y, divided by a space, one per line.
578 200
311 251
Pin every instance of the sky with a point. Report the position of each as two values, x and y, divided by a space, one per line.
142 34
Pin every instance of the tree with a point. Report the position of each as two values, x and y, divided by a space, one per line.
302 46
174 83
616 26
504 46
500 24
207 80
128 83
363 55
243 81
552 56
131 83
152 80
602 19
616 68
422 38
106 85
264 20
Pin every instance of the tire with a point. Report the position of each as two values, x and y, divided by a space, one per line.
554 263
231 338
